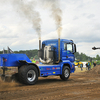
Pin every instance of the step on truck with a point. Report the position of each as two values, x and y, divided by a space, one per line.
56 57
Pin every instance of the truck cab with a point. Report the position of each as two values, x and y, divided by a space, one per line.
51 50
53 62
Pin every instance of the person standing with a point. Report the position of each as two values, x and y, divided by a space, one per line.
94 64
86 66
81 66
33 61
89 65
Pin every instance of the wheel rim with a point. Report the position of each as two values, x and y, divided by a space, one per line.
31 75
66 73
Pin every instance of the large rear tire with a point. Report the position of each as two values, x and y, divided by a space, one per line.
65 73
28 74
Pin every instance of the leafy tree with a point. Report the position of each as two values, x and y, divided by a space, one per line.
82 56
34 53
97 57
36 57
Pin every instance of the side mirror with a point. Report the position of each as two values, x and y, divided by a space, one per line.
74 48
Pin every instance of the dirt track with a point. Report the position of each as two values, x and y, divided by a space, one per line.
80 86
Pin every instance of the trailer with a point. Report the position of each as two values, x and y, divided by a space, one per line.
56 57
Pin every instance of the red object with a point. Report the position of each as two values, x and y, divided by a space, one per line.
4 59
47 68
37 62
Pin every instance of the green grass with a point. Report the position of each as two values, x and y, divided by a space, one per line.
79 70
9 71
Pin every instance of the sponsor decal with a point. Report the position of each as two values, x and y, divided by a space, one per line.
45 74
53 68
49 73
57 68
51 44
47 68
71 57
42 68
67 52
54 72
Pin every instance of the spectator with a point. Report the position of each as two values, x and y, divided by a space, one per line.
94 64
33 61
86 66
89 65
81 66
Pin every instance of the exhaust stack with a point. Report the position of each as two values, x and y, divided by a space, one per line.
39 44
58 51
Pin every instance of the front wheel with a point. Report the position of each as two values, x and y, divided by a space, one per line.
65 73
28 74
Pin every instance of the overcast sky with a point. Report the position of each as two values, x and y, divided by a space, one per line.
80 23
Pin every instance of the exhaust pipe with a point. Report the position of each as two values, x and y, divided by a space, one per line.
40 55
39 44
58 51
39 51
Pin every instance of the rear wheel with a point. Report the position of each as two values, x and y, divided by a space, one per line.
65 73
28 74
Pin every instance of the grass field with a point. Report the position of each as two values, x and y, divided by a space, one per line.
10 70
79 70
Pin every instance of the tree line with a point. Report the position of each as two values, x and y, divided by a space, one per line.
82 56
34 54
29 53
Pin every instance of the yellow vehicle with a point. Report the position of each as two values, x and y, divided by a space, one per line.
77 63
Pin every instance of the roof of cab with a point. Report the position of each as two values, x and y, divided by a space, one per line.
55 40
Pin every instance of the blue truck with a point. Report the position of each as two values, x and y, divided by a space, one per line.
56 57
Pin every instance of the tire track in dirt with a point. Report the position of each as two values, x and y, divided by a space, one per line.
53 88
80 86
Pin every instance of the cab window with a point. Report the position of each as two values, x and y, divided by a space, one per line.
65 46
68 47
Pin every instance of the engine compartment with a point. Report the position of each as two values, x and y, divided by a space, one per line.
46 54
